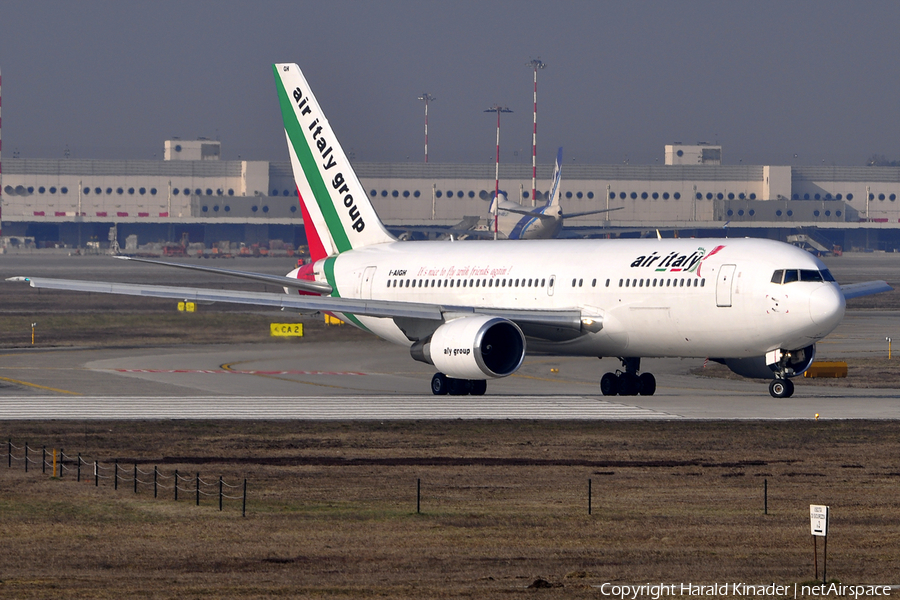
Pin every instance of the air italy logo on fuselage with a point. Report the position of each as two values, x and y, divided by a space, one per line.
674 262
328 162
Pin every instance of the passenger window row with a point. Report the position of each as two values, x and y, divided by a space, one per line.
580 282
488 283
664 282
535 282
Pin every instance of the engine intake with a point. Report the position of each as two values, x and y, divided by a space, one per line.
473 348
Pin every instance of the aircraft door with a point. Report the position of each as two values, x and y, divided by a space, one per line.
365 283
551 284
724 282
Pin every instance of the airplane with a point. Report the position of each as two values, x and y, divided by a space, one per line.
461 230
518 222
474 309
514 221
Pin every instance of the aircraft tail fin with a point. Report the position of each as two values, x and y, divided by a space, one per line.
498 199
337 213
553 200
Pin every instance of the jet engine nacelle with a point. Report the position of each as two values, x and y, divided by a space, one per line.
474 348
797 361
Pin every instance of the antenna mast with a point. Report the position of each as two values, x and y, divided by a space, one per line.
534 64
426 98
497 109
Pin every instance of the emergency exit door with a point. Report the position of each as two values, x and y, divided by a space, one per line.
365 283
724 285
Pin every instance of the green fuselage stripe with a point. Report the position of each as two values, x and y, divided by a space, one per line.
329 277
310 166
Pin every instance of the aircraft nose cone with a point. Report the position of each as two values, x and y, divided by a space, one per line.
826 305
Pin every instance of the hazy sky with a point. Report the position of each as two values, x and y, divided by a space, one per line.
767 80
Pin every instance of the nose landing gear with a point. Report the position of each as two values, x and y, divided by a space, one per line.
781 388
789 363
628 383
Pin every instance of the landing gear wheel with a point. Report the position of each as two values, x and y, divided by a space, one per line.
629 384
478 387
781 388
609 384
647 384
439 384
458 387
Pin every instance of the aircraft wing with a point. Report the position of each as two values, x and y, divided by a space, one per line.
464 227
315 287
545 324
540 215
590 212
432 232
529 213
866 288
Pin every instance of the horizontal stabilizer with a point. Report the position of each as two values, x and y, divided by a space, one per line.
315 287
375 308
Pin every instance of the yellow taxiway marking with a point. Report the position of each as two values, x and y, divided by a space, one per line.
42 387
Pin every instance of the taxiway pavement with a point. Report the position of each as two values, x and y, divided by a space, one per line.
376 380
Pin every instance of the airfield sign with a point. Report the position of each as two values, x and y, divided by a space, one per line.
818 519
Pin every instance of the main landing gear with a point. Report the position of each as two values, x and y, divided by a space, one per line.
442 385
628 383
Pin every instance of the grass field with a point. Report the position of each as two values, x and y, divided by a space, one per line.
332 508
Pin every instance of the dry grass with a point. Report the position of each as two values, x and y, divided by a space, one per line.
332 510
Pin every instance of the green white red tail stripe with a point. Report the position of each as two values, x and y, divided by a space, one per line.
331 194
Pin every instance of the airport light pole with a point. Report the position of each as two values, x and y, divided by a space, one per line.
426 98
497 109
534 64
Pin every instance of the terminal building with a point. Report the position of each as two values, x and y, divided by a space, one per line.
194 192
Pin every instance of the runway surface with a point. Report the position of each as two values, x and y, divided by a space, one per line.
326 408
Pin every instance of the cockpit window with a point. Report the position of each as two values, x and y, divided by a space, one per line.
809 275
791 275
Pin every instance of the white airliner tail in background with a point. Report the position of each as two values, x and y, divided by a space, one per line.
474 309
553 200
518 222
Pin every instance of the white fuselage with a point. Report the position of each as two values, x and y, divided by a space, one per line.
673 297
